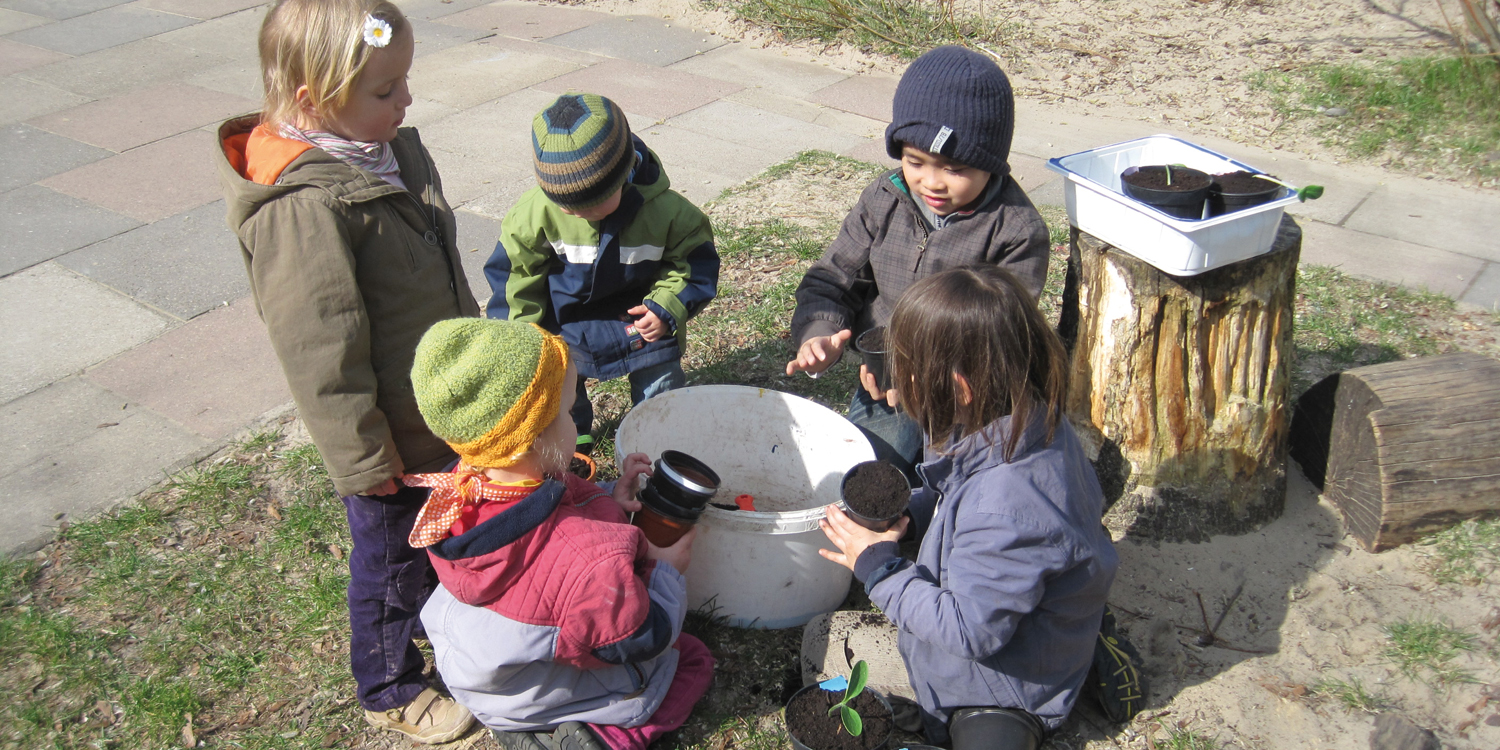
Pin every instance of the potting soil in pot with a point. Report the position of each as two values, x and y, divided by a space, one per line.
1243 182
1155 178
876 490
808 720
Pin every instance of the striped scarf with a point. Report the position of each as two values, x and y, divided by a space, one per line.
373 156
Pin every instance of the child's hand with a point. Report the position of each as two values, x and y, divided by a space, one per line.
851 538
868 381
679 554
388 487
819 353
636 464
647 323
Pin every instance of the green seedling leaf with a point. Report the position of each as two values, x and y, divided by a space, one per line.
853 724
857 679
1310 193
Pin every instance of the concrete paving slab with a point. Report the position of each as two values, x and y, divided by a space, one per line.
97 455
59 9
16 57
1485 291
427 10
136 65
21 99
435 37
57 323
658 93
151 182
204 258
502 195
683 149
524 20
40 224
28 154
471 74
806 111
236 79
101 30
1383 259
761 68
1434 215
756 128
15 20
644 39
235 35
494 133
872 150
577 57
145 116
467 179
201 9
477 235
1031 173
869 96
214 375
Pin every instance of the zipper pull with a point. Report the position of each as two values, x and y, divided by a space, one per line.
922 248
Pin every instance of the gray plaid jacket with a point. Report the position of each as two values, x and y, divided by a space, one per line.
884 247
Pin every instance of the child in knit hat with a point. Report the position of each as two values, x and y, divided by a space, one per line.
555 622
951 203
604 252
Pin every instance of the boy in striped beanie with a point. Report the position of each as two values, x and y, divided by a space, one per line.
604 252
548 600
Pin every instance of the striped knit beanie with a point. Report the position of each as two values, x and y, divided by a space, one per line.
583 150
489 387
957 103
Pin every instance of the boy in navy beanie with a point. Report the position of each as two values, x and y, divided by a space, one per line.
952 203
604 252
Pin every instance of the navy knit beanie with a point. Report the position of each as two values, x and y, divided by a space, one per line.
582 149
957 103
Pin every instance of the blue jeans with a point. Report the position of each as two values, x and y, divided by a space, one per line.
895 436
644 383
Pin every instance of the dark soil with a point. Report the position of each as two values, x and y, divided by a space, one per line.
872 342
876 490
1155 178
808 720
1242 182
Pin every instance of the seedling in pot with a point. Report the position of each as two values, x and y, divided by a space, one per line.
853 724
1304 194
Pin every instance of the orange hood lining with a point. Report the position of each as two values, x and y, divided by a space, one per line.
260 155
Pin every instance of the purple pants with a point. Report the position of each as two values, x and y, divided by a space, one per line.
388 584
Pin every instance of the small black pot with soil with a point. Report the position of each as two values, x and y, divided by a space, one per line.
1236 191
812 728
875 494
1175 191
871 347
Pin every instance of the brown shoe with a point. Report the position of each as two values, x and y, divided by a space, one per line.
431 719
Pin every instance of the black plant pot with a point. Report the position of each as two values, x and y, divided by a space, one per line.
871 347
1236 191
879 720
875 494
1183 198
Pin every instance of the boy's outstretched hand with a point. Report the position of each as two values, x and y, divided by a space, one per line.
647 323
851 538
679 554
636 464
819 353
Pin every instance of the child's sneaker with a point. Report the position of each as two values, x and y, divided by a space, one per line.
571 735
1116 673
431 719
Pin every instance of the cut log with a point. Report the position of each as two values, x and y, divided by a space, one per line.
1182 384
1411 447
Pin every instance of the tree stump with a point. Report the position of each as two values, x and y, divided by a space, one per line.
1405 448
1182 383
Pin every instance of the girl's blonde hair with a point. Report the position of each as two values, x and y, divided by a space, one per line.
318 44
978 322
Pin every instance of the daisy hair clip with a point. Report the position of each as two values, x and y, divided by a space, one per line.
377 31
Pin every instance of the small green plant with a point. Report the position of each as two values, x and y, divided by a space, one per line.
1304 194
853 724
1352 694
1180 738
1465 553
1420 648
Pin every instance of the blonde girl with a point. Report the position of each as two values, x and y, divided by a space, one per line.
351 253
999 614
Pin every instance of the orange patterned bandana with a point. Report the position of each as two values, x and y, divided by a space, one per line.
451 493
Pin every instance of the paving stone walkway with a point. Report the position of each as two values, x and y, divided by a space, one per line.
128 347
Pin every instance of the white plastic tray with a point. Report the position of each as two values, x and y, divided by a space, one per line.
1182 247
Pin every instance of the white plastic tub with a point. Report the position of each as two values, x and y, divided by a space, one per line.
1181 247
758 569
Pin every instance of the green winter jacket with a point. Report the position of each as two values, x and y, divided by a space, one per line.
348 271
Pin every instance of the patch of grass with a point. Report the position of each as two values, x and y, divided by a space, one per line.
1423 650
1467 553
1182 738
1351 694
1417 110
905 28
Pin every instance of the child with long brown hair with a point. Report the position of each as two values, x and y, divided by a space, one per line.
999 614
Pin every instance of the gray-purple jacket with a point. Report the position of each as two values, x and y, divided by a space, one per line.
1003 604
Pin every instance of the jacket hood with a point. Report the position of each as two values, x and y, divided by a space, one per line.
649 178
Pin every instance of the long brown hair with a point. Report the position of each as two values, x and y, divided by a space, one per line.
978 322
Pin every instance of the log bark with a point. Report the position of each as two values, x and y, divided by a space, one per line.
1183 384
1412 447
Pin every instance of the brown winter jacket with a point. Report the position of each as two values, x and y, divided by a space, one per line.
348 271
885 246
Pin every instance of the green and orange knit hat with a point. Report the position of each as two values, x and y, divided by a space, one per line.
489 387
582 148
